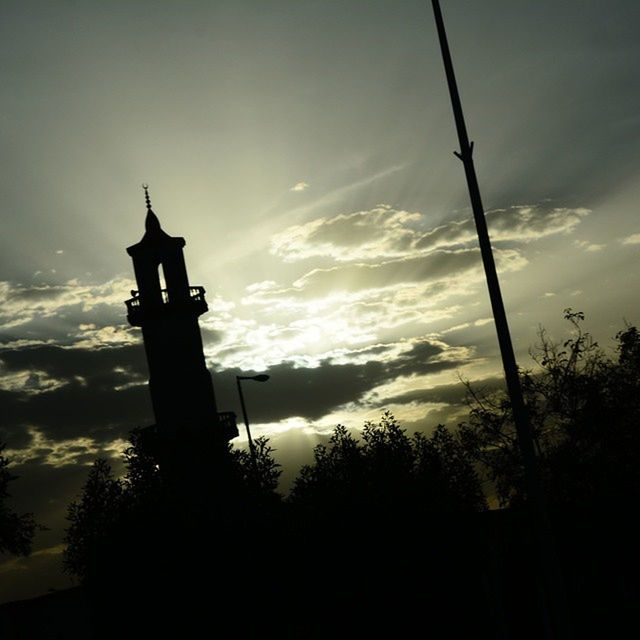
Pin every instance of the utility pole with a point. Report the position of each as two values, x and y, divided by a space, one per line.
557 620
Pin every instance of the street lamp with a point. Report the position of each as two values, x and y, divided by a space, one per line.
262 377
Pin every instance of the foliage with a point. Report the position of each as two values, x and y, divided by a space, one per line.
154 505
262 475
92 518
389 469
142 482
16 530
584 407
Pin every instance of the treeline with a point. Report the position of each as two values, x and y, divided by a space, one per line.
584 408
384 524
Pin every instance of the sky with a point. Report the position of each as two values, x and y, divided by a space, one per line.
304 149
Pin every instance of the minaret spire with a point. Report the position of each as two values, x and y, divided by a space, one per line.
147 198
151 222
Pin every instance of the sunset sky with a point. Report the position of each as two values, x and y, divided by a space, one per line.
304 151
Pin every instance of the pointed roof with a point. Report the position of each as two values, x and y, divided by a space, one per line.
151 223
155 237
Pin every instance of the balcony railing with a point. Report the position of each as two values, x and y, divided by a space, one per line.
135 308
226 429
228 425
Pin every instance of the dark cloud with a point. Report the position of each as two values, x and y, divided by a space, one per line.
314 392
210 336
450 394
87 403
75 410
66 363
36 293
421 351
307 392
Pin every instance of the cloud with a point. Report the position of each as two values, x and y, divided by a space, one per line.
380 232
61 452
394 287
634 238
70 362
591 247
71 393
351 311
349 305
453 395
342 378
514 224
102 394
437 267
21 304
307 331
300 186
29 382
384 232
90 336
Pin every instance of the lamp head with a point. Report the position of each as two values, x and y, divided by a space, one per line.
261 377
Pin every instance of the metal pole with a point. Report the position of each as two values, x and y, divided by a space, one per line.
548 556
246 422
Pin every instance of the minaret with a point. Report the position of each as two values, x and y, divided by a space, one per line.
181 388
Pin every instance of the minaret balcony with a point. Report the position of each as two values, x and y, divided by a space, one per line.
227 424
139 312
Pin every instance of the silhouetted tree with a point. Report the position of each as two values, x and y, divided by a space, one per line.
92 519
144 510
260 473
584 407
174 535
142 483
387 517
16 530
389 469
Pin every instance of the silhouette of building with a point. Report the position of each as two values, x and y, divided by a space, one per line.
167 308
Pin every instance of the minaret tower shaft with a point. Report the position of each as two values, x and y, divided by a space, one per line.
181 388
